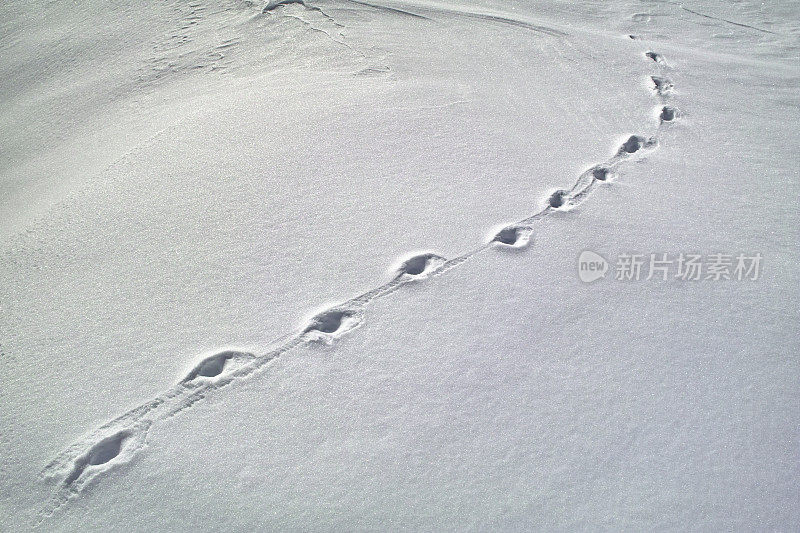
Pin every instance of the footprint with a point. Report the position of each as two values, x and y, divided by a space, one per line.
420 265
663 85
667 114
635 143
213 365
558 199
516 236
332 323
655 56
601 173
99 454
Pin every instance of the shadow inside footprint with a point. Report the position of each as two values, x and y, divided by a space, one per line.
328 321
508 235
667 114
106 449
213 365
420 264
99 454
557 199
633 144
515 236
662 85
601 173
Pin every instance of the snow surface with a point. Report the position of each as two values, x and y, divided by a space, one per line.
255 275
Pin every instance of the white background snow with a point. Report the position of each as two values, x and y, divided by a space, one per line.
185 177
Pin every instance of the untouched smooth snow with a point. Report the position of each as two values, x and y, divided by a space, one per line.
315 266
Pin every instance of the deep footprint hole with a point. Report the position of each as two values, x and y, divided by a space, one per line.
667 114
557 199
662 85
329 322
509 235
99 454
213 365
419 264
601 173
416 265
106 449
633 144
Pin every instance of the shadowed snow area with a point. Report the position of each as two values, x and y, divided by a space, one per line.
181 177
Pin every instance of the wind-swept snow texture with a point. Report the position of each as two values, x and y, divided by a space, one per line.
311 265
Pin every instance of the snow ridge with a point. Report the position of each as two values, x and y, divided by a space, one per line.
117 442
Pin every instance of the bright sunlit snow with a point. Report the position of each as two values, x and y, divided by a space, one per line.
343 265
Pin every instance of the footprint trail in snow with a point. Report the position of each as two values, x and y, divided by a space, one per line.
117 442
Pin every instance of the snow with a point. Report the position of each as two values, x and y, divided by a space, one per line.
309 268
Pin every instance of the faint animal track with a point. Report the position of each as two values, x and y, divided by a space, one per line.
667 114
421 264
388 9
663 86
558 198
515 235
374 71
272 4
728 21
334 34
601 173
213 365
